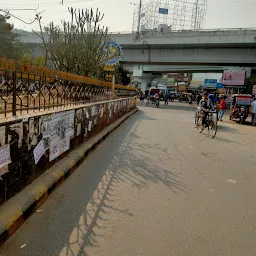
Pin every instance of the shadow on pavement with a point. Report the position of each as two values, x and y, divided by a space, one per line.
227 129
182 107
74 216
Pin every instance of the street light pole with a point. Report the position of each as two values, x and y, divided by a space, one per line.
139 17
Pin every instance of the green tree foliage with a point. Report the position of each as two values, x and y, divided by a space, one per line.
10 45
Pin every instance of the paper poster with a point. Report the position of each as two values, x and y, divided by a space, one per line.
60 125
31 127
87 114
79 115
101 111
93 109
5 157
54 152
38 151
79 128
2 135
18 129
64 146
90 126
59 148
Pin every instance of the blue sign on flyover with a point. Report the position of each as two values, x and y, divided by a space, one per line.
210 83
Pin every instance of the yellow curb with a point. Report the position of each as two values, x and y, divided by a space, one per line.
39 191
57 174
12 214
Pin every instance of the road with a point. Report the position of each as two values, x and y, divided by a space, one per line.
153 187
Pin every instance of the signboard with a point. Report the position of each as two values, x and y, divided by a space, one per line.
5 157
210 83
233 78
113 52
163 11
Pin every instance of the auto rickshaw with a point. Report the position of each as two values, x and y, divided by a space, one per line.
240 107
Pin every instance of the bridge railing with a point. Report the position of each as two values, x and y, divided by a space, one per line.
25 89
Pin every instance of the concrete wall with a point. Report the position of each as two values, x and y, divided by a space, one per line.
53 135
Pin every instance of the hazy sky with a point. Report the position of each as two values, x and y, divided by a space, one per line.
119 13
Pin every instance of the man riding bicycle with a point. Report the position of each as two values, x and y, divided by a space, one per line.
205 106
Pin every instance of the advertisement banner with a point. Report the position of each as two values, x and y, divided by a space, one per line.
210 83
233 78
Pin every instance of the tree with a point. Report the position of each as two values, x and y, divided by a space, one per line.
75 46
28 59
123 76
10 45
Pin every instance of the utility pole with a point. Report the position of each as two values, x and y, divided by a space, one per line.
139 17
195 25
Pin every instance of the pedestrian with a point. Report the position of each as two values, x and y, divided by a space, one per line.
223 107
166 98
253 109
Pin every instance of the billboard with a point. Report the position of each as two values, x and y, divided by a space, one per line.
233 78
210 83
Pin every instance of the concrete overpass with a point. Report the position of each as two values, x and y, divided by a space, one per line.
218 48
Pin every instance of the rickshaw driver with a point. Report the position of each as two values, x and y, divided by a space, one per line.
205 105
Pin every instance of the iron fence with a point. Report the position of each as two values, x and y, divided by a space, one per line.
25 88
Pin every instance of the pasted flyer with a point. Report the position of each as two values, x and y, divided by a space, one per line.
38 151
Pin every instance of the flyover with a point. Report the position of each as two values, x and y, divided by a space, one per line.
235 47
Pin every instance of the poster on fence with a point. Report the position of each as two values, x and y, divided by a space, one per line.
16 131
58 127
64 145
38 151
54 152
5 156
79 128
2 135
59 148
93 110
101 111
90 126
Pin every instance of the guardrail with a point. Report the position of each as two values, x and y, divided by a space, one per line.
25 88
186 30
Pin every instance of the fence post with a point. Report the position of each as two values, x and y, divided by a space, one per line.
14 107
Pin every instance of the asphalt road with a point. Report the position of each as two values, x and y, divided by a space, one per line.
153 187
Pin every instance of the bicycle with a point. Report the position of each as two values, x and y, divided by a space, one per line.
254 120
210 123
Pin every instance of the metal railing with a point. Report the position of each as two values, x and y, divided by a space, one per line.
25 88
184 30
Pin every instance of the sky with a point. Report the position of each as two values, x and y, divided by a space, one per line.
119 13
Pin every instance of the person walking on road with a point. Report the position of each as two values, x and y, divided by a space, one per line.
223 107
253 111
166 98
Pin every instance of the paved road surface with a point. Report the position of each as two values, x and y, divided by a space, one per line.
154 187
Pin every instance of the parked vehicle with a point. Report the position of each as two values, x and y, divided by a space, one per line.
240 107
